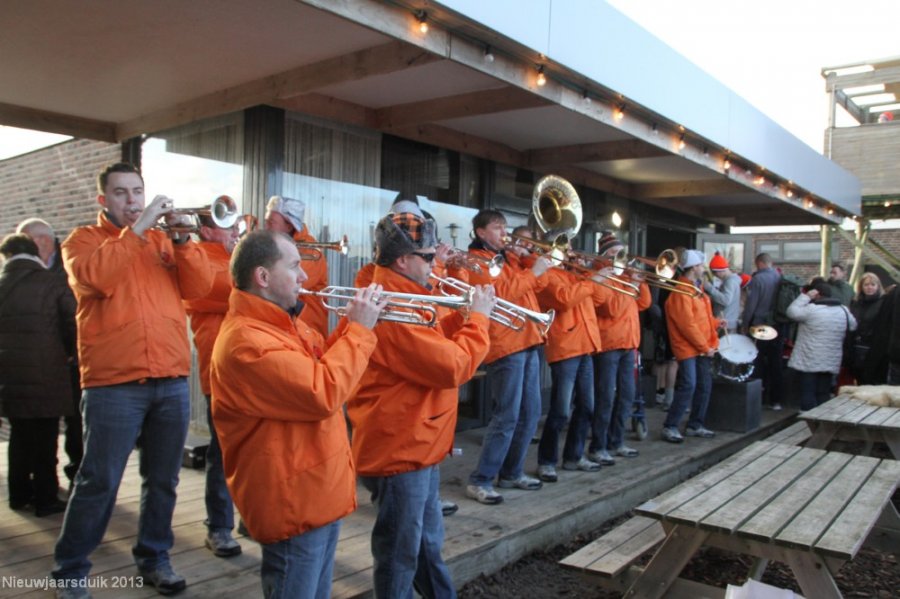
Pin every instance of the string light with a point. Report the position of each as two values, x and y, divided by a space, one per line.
789 193
681 143
759 181
423 21
541 78
727 164
620 112
488 55
654 129
585 97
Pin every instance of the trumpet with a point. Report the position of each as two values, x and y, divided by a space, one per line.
223 212
663 274
475 263
406 308
313 250
505 313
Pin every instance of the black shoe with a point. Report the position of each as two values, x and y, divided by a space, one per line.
164 579
19 504
55 507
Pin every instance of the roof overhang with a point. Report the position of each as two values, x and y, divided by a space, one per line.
114 69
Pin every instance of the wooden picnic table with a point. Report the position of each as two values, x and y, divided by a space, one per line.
808 508
847 419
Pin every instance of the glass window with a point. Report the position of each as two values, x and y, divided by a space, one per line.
802 251
196 163
773 249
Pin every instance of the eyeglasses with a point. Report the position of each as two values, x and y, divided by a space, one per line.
427 257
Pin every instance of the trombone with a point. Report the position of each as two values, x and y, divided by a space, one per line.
505 313
223 212
406 308
476 264
313 250
663 274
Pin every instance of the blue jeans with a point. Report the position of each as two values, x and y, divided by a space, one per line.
814 388
301 566
515 383
570 376
219 508
408 535
154 416
692 388
614 371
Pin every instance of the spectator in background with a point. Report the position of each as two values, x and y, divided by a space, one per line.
207 314
42 234
286 215
758 309
726 298
37 341
882 365
840 289
865 307
823 323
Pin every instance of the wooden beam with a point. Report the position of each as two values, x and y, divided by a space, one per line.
330 108
461 142
594 152
470 104
379 60
54 122
594 180
888 75
681 189
675 205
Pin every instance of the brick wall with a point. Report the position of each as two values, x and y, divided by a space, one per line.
56 184
889 238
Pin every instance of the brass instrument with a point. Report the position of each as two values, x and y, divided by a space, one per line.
663 274
313 250
506 313
477 264
406 308
223 212
558 214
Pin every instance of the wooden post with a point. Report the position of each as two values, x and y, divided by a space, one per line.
825 259
863 227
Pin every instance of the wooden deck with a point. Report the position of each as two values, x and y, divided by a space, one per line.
479 539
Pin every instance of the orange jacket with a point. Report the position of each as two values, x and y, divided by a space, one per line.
574 330
206 313
692 328
404 412
131 324
619 321
277 396
515 284
314 313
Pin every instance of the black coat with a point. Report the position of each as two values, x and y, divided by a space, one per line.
37 340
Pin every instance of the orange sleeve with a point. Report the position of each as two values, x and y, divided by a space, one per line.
96 269
564 291
195 275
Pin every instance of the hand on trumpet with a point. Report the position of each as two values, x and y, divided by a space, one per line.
484 298
443 252
366 306
541 265
159 207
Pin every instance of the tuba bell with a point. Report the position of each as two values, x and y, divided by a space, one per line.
557 209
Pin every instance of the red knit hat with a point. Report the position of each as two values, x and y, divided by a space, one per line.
607 242
718 262
745 278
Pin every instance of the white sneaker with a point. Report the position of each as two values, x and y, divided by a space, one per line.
547 473
627 452
486 495
601 457
583 464
672 435
700 431
526 483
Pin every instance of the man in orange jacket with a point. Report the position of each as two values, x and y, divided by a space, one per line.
513 366
620 334
277 396
129 280
572 340
692 335
206 315
285 215
403 415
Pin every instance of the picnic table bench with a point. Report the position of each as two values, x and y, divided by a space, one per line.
847 419
808 508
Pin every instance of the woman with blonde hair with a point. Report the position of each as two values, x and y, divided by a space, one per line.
865 307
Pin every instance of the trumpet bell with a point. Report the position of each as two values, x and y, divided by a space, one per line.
666 264
557 207
223 212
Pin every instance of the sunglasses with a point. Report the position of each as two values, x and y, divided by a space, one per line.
427 257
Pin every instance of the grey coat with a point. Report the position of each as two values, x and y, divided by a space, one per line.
726 300
820 335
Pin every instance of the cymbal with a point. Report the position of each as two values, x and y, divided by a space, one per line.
763 332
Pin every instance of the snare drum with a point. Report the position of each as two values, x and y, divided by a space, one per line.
734 359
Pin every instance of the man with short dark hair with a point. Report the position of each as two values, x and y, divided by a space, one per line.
129 279
404 413
726 294
277 396
759 306
206 315
841 290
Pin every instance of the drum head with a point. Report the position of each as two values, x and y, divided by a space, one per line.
763 332
737 349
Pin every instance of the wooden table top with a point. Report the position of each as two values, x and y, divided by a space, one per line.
854 412
799 498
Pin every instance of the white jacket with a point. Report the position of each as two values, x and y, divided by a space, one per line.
820 334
